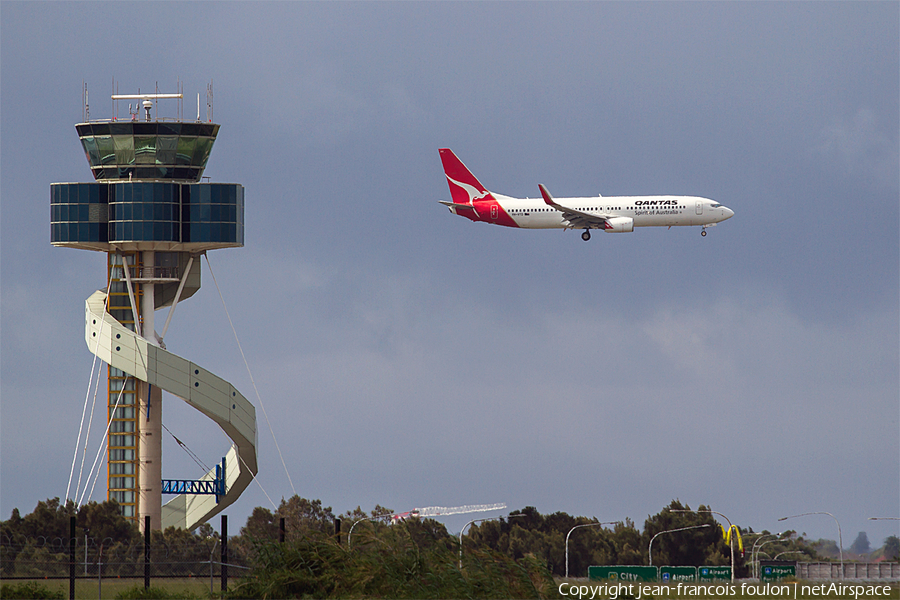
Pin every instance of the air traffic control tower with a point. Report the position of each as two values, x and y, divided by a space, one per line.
149 211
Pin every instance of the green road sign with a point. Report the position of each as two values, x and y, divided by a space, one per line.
775 572
714 573
622 573
676 574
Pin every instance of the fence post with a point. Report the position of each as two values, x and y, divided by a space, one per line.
146 551
224 553
72 558
337 531
99 572
211 552
281 531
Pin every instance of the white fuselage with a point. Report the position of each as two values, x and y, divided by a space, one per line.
647 211
612 214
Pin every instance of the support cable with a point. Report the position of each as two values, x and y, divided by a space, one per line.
188 450
255 389
104 451
86 396
87 435
181 283
134 312
256 479
103 444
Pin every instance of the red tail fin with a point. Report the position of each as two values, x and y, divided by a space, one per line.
464 187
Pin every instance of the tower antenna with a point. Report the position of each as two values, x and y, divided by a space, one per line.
209 101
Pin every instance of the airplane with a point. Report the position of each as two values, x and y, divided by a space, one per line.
611 214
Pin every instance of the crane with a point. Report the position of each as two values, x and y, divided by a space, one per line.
443 511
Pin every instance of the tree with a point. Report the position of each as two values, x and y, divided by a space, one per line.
892 548
105 521
826 548
302 515
694 547
426 533
543 538
316 566
629 547
49 520
43 535
260 525
861 544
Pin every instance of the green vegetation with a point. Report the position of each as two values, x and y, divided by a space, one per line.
527 532
139 592
522 555
28 590
891 549
110 589
415 558
388 565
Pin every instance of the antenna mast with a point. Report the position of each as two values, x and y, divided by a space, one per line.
209 102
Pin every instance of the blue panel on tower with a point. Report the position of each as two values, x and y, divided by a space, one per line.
199 215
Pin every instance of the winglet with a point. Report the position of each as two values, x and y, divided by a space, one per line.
547 197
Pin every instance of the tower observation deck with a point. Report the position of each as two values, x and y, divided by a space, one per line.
149 211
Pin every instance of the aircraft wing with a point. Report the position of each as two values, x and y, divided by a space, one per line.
576 219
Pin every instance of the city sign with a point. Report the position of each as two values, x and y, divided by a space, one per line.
622 573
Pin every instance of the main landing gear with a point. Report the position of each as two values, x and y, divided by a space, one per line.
586 235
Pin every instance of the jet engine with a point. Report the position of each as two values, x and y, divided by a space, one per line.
619 225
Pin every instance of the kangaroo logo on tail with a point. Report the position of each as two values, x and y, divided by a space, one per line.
471 191
464 187
470 199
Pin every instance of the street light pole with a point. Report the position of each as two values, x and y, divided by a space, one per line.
760 536
730 527
375 518
840 536
758 550
570 533
753 565
650 547
787 552
477 521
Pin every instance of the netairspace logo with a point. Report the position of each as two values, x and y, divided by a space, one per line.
612 591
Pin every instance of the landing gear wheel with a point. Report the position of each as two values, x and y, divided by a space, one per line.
703 232
587 235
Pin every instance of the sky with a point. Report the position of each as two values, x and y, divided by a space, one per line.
407 357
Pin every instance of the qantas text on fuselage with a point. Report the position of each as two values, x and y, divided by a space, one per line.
612 214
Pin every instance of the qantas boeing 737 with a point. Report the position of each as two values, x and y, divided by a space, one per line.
612 214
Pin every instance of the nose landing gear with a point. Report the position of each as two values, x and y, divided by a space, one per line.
705 227
586 235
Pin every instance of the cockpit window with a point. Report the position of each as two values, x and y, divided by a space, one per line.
715 205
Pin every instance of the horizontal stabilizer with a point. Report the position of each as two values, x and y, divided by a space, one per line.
456 204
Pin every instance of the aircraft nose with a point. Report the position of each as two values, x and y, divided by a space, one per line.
728 212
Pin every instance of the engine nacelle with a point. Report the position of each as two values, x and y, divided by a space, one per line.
619 225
